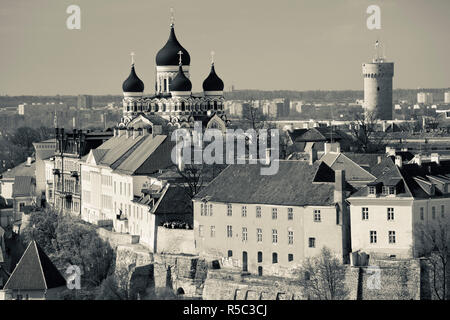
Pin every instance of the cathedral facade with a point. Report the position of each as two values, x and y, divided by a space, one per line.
173 99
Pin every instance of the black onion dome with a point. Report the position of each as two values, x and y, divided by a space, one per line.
213 82
180 82
133 83
168 55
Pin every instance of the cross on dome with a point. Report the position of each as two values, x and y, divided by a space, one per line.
172 18
180 53
132 54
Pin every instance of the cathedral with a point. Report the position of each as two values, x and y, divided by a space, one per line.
173 99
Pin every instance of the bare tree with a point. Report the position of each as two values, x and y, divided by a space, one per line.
434 244
364 132
193 177
322 277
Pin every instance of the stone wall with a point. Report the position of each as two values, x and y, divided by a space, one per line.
226 285
149 272
196 278
175 241
115 239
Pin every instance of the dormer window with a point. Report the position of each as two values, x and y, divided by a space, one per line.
372 190
388 190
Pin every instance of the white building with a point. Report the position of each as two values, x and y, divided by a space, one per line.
118 182
388 214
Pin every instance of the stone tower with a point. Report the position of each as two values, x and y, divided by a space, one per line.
378 87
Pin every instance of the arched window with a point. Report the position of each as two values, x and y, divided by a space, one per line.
274 257
183 106
215 105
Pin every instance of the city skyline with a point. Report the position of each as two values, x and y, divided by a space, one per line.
268 46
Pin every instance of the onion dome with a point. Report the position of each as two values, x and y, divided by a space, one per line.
133 83
213 82
180 82
168 55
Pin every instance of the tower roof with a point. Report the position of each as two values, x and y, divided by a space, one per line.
213 82
180 82
168 55
133 83
35 271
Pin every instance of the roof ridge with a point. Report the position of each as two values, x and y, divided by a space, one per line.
15 268
343 154
40 264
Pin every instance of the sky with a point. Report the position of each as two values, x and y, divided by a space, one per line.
258 44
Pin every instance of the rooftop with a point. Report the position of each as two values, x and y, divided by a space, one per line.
293 184
34 271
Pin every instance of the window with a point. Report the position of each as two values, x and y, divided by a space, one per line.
258 212
244 211
365 213
210 209
372 190
274 257
312 242
229 210
274 213
259 235
290 257
317 215
433 212
200 231
229 231
373 237
388 190
260 271
274 236
260 256
202 209
213 231
391 236
421 214
390 213
290 213
230 253
244 234
290 237
442 211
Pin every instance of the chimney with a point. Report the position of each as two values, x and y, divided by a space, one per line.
312 156
435 158
418 159
384 126
398 161
327 147
379 159
339 188
29 161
